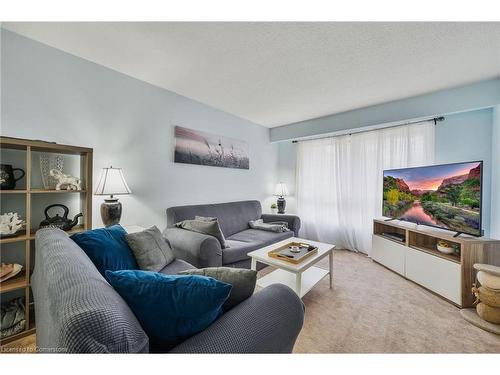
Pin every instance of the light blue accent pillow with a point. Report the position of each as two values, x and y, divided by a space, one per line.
107 248
170 308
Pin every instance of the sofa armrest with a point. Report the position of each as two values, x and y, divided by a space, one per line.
267 322
292 220
201 250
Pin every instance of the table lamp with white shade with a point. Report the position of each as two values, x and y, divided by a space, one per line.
111 183
281 191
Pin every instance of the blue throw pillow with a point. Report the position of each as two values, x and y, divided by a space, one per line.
171 308
107 248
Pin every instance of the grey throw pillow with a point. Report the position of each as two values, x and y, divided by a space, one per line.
152 252
277 226
242 280
208 226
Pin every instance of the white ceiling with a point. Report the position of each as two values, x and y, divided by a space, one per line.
279 73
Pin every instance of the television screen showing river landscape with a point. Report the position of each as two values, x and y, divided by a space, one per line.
447 196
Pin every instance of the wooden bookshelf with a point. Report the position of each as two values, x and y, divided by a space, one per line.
416 258
20 237
75 229
48 191
14 191
28 193
17 282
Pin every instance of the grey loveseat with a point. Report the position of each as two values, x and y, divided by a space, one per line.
77 311
205 251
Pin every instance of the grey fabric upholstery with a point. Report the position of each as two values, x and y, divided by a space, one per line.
201 250
242 280
151 251
210 227
274 226
247 263
177 266
243 264
76 310
261 237
268 322
233 218
292 220
240 244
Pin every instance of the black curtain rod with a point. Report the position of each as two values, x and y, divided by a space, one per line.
435 119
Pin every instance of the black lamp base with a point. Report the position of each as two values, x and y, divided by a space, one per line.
281 202
111 212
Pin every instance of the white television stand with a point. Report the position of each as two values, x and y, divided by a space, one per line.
417 259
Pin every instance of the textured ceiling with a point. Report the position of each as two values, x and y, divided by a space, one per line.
279 73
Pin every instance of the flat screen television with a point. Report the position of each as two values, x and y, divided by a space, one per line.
446 196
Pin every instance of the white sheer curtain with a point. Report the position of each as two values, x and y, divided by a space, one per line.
339 180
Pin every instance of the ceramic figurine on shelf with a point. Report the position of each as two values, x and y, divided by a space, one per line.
10 224
65 181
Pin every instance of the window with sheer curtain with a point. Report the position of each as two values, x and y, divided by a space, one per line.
339 180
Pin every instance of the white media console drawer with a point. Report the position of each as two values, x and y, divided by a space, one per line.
437 274
389 253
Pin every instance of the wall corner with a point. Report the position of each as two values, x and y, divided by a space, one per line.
495 175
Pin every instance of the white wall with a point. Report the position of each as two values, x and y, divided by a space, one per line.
287 160
467 137
474 96
495 175
461 137
50 95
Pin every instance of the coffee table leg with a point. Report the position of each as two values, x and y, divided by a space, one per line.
330 259
298 283
254 264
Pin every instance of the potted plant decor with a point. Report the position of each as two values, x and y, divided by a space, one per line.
274 208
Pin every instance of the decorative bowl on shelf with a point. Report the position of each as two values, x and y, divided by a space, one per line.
445 247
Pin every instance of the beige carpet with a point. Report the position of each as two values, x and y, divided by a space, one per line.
373 310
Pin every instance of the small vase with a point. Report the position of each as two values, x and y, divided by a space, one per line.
274 211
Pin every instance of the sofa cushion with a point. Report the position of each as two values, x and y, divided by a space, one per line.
171 308
242 280
240 244
210 227
237 251
152 252
178 265
107 248
233 217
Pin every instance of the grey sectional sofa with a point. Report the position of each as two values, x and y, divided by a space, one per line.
205 251
77 311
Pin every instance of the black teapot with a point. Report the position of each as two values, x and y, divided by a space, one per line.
7 179
61 222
